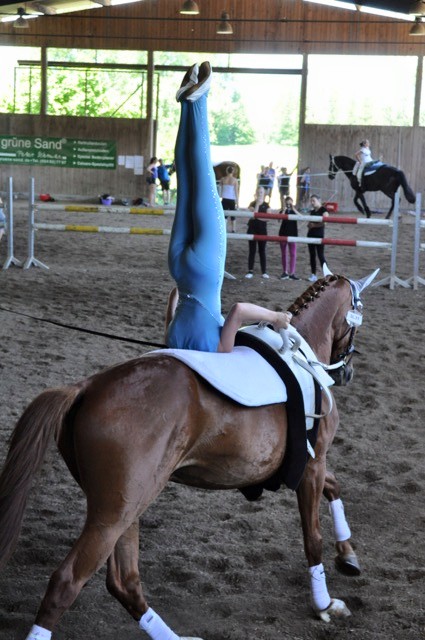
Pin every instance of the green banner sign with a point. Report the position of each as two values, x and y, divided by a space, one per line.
58 152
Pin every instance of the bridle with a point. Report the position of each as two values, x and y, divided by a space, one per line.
338 367
344 357
333 169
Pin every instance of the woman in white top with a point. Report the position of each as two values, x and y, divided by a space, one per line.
229 193
363 156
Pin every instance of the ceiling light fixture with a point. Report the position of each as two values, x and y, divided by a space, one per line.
189 8
418 29
20 22
224 28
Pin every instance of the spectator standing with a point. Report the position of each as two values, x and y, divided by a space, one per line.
229 193
304 186
316 230
164 179
271 175
263 177
283 180
151 178
258 227
289 228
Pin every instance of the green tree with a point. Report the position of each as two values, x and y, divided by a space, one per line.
231 126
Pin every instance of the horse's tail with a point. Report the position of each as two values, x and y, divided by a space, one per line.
408 192
30 438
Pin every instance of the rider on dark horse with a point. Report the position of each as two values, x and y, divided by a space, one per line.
363 157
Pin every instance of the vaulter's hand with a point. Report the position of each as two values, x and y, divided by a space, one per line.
283 319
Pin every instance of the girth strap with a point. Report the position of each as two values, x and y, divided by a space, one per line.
295 459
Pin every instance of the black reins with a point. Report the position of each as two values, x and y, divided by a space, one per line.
92 332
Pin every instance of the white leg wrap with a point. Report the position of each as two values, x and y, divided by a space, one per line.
155 627
341 529
38 633
319 590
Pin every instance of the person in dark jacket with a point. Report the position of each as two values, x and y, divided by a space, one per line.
258 227
316 230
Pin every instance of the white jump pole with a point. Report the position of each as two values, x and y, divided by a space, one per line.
31 260
416 279
392 279
9 229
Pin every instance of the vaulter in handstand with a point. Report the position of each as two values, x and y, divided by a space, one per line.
197 250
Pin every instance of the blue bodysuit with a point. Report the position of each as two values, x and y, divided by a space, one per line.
197 250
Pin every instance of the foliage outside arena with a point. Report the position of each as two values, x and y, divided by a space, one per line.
236 103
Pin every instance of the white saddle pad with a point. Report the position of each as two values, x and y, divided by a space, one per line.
242 375
247 378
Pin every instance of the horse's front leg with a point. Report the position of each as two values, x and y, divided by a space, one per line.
346 560
309 495
357 204
364 208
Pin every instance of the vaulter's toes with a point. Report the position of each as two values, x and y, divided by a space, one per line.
203 85
189 80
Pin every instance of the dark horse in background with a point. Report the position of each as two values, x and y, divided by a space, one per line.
386 179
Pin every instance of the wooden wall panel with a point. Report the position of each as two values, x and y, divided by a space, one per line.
263 26
399 146
130 137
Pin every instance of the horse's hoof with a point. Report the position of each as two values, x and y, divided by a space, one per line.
348 564
336 609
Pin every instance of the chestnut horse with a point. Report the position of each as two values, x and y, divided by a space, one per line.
220 170
123 441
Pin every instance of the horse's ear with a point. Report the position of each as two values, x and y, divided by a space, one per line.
326 270
359 285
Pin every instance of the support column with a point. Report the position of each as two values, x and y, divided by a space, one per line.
149 104
43 96
418 91
303 105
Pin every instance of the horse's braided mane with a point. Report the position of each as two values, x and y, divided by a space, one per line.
311 294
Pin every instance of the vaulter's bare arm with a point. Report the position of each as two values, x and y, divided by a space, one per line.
245 313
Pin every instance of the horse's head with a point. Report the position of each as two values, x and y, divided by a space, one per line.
332 168
332 328
342 370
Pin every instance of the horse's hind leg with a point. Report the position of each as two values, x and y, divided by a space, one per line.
123 582
88 554
346 560
388 216
123 579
